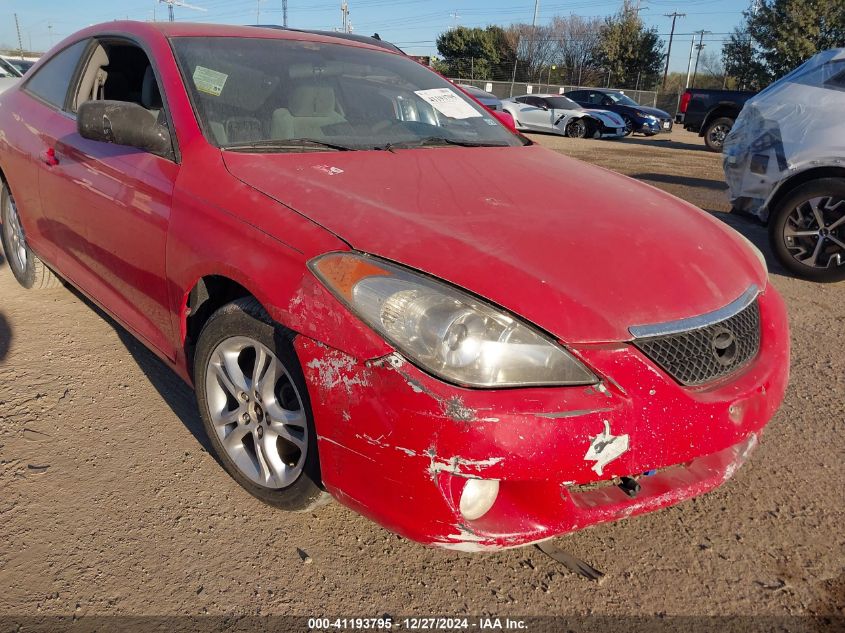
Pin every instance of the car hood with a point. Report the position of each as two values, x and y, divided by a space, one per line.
606 116
660 114
582 252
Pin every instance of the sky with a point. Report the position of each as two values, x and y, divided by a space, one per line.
411 24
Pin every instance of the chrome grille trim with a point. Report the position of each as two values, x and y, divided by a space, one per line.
693 323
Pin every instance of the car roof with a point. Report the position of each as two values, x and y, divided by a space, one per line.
604 90
195 29
478 92
351 37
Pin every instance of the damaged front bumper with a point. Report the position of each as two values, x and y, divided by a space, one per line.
399 446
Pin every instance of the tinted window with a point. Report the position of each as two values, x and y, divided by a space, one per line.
562 103
620 99
50 82
578 95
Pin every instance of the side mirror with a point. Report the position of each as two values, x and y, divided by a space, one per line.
123 123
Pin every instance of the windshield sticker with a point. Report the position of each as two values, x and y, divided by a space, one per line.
448 103
209 81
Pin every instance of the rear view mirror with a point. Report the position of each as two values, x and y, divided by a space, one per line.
123 123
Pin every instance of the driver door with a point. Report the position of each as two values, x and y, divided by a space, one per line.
111 204
533 113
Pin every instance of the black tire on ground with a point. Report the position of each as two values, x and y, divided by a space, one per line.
717 130
577 128
246 317
34 274
629 125
779 216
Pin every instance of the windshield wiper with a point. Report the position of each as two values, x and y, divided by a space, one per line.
433 141
280 145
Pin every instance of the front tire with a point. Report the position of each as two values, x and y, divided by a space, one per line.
807 230
717 130
255 408
629 125
29 271
577 128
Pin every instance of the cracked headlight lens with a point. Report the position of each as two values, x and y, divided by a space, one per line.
444 330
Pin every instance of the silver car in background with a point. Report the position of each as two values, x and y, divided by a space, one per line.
9 75
561 115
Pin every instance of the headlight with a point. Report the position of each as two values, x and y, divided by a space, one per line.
446 331
643 115
757 252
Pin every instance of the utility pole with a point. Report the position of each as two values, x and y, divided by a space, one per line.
285 13
689 63
674 15
258 11
20 41
178 3
456 17
536 13
700 46
344 12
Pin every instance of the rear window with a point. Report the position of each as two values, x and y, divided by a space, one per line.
50 82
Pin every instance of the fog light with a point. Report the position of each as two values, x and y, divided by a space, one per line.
478 497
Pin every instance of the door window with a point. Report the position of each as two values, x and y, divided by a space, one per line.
50 82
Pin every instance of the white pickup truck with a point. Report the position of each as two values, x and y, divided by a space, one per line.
9 75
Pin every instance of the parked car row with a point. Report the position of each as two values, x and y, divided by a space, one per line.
577 114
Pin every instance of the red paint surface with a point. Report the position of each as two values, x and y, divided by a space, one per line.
577 250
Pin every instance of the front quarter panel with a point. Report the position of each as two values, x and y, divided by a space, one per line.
215 231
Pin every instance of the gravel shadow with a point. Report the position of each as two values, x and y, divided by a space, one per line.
5 337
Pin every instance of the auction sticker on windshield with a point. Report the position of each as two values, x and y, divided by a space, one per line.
448 103
209 81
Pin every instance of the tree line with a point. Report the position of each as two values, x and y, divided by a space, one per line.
779 35
620 51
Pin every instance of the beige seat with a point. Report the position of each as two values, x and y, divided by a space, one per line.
311 108
93 79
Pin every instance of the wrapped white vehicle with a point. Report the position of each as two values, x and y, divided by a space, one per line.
561 115
784 162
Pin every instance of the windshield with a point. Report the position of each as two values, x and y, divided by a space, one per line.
255 94
7 70
562 103
621 99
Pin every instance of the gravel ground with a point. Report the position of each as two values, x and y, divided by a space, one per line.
110 503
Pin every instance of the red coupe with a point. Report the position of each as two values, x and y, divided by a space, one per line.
382 294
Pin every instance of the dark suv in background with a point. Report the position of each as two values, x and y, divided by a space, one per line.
637 118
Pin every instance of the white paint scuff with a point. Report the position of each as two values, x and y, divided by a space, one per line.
605 447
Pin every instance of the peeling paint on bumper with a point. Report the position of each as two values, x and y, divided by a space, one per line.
397 445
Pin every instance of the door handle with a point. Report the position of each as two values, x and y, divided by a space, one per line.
48 156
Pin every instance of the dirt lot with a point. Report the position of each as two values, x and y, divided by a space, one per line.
111 504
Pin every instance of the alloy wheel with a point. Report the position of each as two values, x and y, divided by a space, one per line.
717 135
576 129
257 412
14 234
814 232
